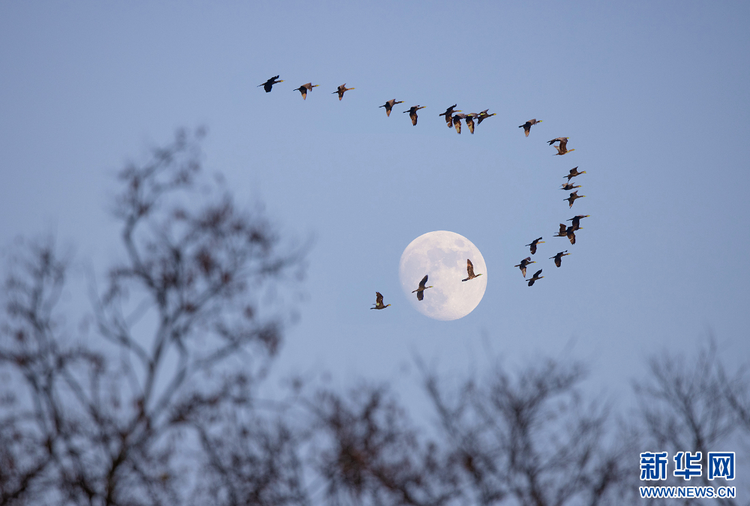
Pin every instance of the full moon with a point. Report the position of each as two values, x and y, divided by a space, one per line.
442 256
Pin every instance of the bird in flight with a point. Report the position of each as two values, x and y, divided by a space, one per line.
470 270
449 114
413 113
379 301
526 261
569 186
535 277
341 90
457 121
470 121
422 288
562 148
572 198
573 173
568 232
577 221
305 88
558 257
534 244
483 116
269 84
527 126
389 106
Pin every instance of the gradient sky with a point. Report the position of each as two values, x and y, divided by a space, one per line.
653 95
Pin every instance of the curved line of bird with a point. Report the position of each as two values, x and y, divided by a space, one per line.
453 118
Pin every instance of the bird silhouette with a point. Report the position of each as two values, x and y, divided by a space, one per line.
379 301
470 271
483 116
449 114
389 106
341 90
305 88
535 277
572 198
526 261
413 113
527 126
534 244
269 84
577 221
562 148
558 257
573 173
569 186
422 288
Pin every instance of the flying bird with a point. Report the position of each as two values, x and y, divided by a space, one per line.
577 221
470 270
483 116
305 88
422 288
379 301
449 115
457 121
269 84
527 126
573 173
470 121
526 261
533 245
536 277
413 113
572 198
558 257
569 186
562 148
341 90
389 106
568 232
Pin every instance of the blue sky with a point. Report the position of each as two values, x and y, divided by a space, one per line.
653 96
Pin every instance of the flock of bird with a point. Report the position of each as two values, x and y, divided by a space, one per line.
564 231
454 118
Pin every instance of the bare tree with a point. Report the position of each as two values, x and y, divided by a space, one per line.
692 405
131 417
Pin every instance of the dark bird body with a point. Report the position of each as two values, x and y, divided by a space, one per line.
572 198
449 114
305 88
379 302
573 173
568 232
526 261
413 113
535 277
576 221
341 90
558 257
534 244
470 121
470 271
389 106
268 85
527 126
422 288
562 148
483 116
569 186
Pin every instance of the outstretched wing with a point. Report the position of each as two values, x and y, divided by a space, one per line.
470 268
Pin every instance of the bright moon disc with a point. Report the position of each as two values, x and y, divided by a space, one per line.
442 256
